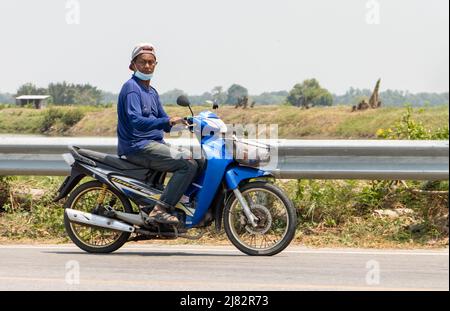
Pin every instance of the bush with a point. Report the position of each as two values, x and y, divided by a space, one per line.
25 217
351 213
72 117
50 118
5 189
410 129
61 119
327 202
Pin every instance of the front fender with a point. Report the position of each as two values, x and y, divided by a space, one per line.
235 175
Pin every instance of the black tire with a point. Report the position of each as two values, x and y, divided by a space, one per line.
291 214
67 223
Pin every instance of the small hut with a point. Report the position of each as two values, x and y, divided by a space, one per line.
38 101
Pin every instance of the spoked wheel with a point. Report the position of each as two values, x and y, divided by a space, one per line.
276 222
89 197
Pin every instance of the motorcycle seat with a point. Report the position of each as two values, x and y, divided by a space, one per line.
109 159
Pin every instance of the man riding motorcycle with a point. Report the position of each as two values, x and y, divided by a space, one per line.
142 122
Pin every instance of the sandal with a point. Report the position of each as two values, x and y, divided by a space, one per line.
164 218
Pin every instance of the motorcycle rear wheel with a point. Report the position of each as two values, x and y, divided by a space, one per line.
92 239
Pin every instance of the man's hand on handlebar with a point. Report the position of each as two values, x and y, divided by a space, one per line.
177 120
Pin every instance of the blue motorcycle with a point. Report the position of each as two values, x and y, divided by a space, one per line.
103 214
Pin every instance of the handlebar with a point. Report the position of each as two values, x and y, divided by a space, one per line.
190 121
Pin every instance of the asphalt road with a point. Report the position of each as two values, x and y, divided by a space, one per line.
182 267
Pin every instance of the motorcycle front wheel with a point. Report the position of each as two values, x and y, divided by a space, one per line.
276 224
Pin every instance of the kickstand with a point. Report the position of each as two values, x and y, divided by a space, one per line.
175 231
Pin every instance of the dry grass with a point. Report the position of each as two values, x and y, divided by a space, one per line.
37 221
315 123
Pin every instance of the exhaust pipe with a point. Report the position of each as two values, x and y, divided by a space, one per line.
97 221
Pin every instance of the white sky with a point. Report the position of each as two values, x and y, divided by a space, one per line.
263 45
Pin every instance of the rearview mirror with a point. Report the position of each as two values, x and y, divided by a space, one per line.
183 101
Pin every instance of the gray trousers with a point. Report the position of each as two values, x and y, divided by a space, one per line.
164 158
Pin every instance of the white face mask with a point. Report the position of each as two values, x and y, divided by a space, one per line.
143 76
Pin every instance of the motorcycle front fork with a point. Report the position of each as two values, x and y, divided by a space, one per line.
248 213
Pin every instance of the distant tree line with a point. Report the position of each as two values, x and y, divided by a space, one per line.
393 98
306 94
6 98
216 95
63 93
227 97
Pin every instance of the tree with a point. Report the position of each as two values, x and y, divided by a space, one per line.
235 92
219 97
309 93
31 89
271 98
170 97
324 99
109 97
59 93
87 94
70 94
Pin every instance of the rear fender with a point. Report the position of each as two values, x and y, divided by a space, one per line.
76 175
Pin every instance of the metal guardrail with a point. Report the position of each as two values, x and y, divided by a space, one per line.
309 159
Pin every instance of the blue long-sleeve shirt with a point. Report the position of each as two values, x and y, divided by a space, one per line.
141 117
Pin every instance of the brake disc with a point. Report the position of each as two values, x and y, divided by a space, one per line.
264 221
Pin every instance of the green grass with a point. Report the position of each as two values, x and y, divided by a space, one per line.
32 121
20 121
365 124
344 213
23 216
